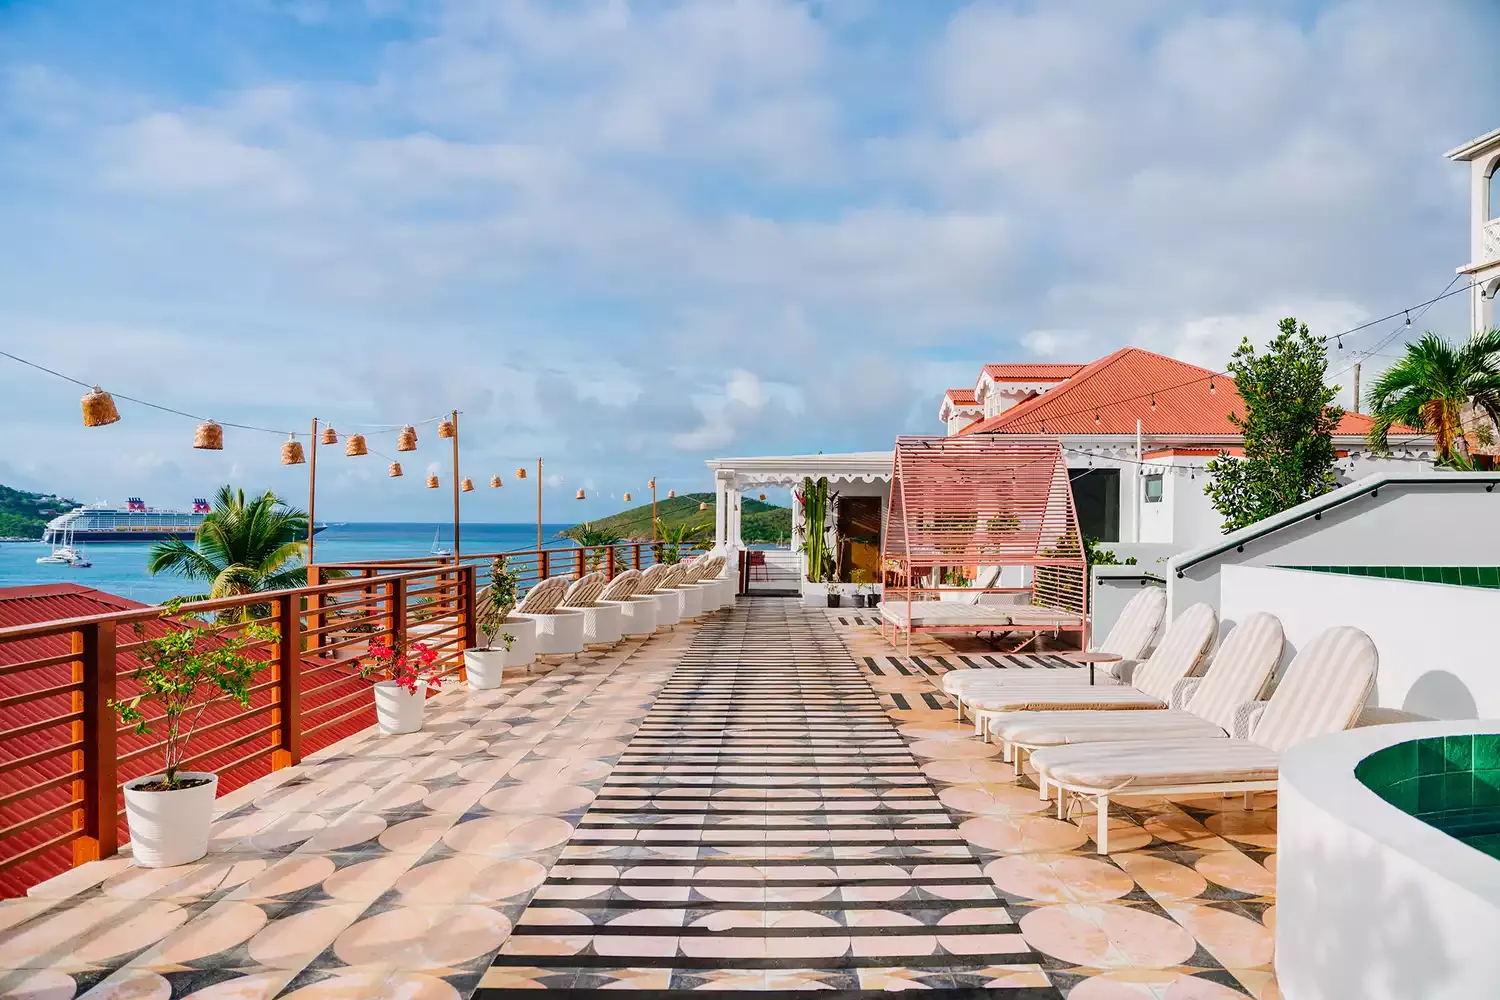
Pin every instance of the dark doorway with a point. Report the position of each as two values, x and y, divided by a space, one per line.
1096 494
859 539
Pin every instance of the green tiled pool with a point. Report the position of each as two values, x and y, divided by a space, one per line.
1458 576
1449 782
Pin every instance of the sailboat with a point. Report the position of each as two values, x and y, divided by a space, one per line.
65 554
438 548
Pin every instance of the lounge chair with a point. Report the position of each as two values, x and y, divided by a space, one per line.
1323 691
707 579
601 622
637 612
1217 705
668 601
693 577
1131 634
559 631
1179 654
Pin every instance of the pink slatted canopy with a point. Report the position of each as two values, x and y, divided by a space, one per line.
980 502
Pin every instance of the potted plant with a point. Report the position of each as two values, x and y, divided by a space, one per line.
405 675
169 813
485 664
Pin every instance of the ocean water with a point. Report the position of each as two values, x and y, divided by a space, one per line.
120 567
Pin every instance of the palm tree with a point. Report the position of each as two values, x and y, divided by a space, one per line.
676 540
243 547
593 536
1431 387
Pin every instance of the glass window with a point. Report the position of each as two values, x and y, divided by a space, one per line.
1494 212
1153 488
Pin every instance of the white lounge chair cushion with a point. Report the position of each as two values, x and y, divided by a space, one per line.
999 617
1324 689
1138 622
1179 653
1102 767
1049 729
1240 670
989 681
1042 698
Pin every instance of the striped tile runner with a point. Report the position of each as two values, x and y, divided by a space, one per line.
767 829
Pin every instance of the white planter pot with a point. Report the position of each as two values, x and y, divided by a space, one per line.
397 710
170 828
486 667
559 633
637 615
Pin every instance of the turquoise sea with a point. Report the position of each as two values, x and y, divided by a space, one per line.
120 567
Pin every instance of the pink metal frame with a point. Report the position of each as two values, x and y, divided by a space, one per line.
985 501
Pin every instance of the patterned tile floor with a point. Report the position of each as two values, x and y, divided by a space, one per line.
769 801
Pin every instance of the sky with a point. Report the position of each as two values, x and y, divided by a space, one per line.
629 236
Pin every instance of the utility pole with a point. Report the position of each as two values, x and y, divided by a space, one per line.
1356 387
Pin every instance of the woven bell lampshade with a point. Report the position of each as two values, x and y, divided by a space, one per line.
521 472
432 482
291 452
762 496
330 436
627 498
671 494
407 439
652 484
467 486
702 506
495 483
99 408
209 436
579 496
395 470
446 429
354 446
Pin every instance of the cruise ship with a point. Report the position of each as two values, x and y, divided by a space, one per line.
135 522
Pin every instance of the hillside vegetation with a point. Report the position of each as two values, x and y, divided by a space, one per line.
760 521
24 515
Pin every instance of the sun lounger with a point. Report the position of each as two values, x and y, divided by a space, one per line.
1323 691
637 611
668 601
559 631
1180 652
601 621
1129 637
1217 705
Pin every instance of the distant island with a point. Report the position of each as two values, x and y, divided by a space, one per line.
760 522
25 515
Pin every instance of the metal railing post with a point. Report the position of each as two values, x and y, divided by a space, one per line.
581 550
544 568
316 619
101 820
468 599
287 694
397 626
609 562
637 556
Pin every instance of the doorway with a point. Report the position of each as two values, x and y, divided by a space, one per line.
1096 495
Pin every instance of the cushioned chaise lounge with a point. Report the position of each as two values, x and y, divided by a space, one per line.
1323 691
1217 705
1181 650
559 631
668 601
1129 639
637 612
601 622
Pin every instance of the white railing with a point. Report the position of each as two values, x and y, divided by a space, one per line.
1489 241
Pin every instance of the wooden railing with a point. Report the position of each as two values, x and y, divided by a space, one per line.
64 754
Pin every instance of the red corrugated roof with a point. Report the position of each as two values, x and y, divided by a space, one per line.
1030 372
54 602
1111 394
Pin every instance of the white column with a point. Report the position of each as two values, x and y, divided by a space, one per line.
735 497
721 508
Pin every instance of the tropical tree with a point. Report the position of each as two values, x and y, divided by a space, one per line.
242 547
1432 385
594 536
1287 425
678 539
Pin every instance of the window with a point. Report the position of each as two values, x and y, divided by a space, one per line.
1096 495
1494 212
1153 488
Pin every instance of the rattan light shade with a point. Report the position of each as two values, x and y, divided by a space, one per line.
395 470
579 496
521 472
291 452
627 498
671 494
467 486
762 496
354 446
209 436
407 439
702 506
330 436
495 483
432 482
446 429
99 408
652 484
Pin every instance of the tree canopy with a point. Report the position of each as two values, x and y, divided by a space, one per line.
1432 386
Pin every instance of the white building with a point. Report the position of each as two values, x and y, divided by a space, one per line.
1483 157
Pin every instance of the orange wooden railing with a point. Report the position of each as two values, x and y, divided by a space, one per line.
64 754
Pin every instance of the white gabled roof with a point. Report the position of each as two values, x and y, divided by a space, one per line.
789 470
1475 147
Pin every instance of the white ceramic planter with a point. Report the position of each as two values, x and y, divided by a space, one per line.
397 710
602 624
485 668
637 615
559 633
170 828
668 607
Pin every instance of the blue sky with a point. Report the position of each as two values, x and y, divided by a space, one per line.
629 236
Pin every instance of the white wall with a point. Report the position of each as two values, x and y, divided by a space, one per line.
1112 588
1433 658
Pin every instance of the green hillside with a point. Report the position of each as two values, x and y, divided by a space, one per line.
760 521
24 515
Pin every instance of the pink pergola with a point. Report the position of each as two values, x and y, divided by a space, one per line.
980 503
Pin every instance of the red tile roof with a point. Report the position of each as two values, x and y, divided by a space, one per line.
961 397
1108 397
1030 372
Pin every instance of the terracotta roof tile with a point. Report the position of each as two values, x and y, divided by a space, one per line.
1031 372
961 397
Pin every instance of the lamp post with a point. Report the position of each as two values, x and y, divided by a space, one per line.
652 484
539 505
312 492
456 550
